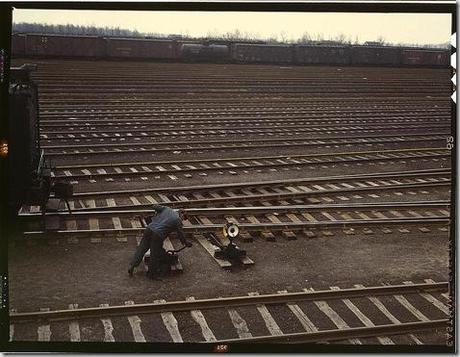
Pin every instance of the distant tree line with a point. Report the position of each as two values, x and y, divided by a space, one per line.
68 29
234 36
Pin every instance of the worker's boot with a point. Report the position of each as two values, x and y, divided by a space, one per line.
131 271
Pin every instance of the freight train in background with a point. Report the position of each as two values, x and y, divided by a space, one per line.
93 47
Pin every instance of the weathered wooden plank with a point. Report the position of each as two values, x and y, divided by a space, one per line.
307 324
240 324
413 310
210 248
266 235
135 323
134 201
363 318
286 233
333 316
74 327
376 301
116 221
110 202
200 320
270 322
431 281
170 323
108 327
11 338
430 298
44 331
150 199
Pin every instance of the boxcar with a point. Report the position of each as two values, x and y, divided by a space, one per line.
418 57
18 44
65 46
365 55
322 54
204 52
140 48
262 53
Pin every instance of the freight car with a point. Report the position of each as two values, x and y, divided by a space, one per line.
65 46
415 57
18 44
204 52
29 174
245 53
92 47
140 48
322 55
369 55
24 154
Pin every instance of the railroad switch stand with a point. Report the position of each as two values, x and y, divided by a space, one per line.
231 250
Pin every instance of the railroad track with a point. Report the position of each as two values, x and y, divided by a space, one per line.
197 115
229 135
326 190
390 314
94 147
365 104
266 222
185 168
132 121
272 129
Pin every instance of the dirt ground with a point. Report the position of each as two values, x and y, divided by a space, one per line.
93 273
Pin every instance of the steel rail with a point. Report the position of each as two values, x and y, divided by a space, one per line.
225 302
271 183
252 227
344 334
210 211
286 157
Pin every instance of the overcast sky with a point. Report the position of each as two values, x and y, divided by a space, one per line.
395 28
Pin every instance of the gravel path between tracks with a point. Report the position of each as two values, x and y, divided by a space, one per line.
78 273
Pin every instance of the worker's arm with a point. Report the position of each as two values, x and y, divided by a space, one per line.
180 235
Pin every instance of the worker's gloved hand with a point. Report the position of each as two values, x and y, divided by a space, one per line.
188 244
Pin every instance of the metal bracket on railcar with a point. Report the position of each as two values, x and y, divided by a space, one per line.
231 250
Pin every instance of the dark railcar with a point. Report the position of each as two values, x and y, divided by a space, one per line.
365 55
24 151
418 57
245 53
322 54
65 46
204 52
18 45
141 48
